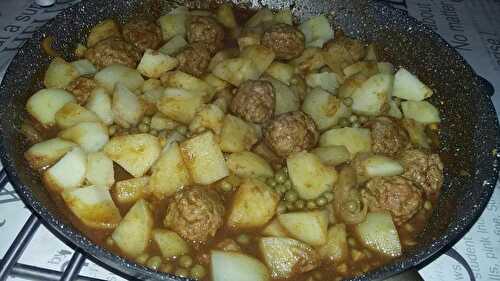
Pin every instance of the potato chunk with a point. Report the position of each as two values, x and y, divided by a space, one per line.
128 109
373 96
99 102
209 117
173 24
324 108
169 173
110 75
68 172
180 105
91 136
59 74
421 111
232 266
354 139
236 71
261 57
46 153
332 155
379 233
94 206
275 229
170 243
44 105
254 204
335 249
281 71
327 81
407 86
135 153
317 30
182 80
286 99
204 159
84 67
134 231
72 113
310 227
131 190
100 170
173 46
225 15
249 164
237 135
101 31
153 64
287 257
309 176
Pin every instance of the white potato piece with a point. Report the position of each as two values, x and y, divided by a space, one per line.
131 190
46 153
59 74
222 55
310 60
93 205
284 16
310 227
135 153
179 104
367 68
105 29
91 136
237 135
416 132
324 108
421 111
327 81
407 86
100 170
154 63
216 83
204 159
379 234
99 102
72 113
394 110
128 109
161 122
381 166
173 46
385 67
119 73
317 31
275 229
236 71
170 243
84 67
261 16
309 176
332 155
182 80
231 266
354 139
287 257
248 164
169 173
151 84
335 249
261 57
249 36
225 15
254 205
373 96
68 172
281 71
44 105
134 231
286 100
173 24
351 84
210 117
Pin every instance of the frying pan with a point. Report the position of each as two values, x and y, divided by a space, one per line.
470 134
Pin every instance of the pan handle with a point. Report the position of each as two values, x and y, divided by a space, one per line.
408 275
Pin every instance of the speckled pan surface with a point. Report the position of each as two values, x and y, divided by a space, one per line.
470 134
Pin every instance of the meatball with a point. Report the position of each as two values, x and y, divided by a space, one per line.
424 169
387 136
81 88
285 40
144 34
291 132
194 59
113 50
207 31
254 101
195 214
397 195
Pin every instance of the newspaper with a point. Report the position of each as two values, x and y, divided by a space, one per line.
471 27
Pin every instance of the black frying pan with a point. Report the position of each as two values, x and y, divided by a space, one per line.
470 131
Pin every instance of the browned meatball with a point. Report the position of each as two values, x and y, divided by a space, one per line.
397 195
254 101
207 31
81 88
195 214
291 132
424 169
113 50
194 59
144 34
387 136
285 40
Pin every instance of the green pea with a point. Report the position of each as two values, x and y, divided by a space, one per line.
321 201
347 101
198 271
311 205
280 176
182 272
300 204
154 262
143 128
271 182
153 132
167 267
329 196
291 196
343 122
243 239
186 261
353 118
356 125
226 186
